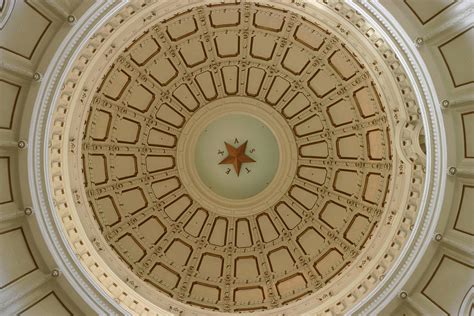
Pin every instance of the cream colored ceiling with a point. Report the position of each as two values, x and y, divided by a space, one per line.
30 287
305 238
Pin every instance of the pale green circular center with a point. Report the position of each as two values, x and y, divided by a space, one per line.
211 150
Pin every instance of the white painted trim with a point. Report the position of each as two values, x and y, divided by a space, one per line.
47 219
8 6
435 185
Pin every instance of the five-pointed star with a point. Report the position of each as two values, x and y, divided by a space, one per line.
236 156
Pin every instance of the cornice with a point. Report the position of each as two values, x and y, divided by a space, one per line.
46 215
432 199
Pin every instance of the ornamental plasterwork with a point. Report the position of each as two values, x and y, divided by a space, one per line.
359 172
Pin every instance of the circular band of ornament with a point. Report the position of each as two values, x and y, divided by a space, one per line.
287 151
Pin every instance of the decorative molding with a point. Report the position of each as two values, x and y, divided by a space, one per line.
467 305
435 179
6 12
69 263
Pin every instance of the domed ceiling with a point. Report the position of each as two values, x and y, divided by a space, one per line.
186 213
214 157
239 157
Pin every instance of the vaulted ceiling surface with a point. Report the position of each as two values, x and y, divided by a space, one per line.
159 225
323 236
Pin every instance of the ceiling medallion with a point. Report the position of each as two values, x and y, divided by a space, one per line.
259 162
242 122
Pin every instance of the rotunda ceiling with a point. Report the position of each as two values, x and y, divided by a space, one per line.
241 157
293 245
